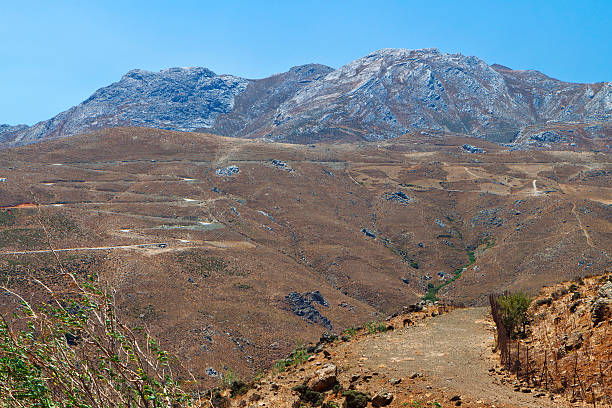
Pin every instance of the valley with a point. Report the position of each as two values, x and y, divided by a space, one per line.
233 251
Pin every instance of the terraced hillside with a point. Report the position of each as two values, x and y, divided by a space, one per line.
232 251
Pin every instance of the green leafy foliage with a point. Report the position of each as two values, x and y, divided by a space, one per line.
432 290
74 352
513 309
350 332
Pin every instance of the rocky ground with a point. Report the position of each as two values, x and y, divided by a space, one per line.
436 357
430 358
265 245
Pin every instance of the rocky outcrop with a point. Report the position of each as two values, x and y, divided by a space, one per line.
379 96
382 399
255 108
8 132
302 305
602 306
392 91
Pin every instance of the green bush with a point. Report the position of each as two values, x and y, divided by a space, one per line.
355 399
513 308
307 395
350 332
375 327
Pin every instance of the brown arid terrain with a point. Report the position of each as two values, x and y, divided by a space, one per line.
233 251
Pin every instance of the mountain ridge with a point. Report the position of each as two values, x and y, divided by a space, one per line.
382 95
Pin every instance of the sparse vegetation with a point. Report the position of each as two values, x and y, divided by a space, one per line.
298 356
307 395
22 238
375 327
6 218
202 264
231 380
355 399
350 332
432 290
60 224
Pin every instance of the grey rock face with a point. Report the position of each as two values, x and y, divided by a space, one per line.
379 96
7 132
227 171
255 108
601 307
175 98
392 91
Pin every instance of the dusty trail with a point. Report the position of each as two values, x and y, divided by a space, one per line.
468 171
586 233
102 248
535 187
453 351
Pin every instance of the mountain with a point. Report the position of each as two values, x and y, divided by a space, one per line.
175 98
393 91
7 132
382 95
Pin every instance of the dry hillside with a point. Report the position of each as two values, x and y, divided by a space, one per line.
233 251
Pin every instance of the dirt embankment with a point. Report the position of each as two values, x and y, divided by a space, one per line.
568 348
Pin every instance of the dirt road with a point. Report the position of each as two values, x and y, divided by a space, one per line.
102 248
452 351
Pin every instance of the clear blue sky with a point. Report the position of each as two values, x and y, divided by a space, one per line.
54 54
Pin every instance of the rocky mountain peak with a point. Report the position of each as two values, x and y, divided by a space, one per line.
382 95
176 73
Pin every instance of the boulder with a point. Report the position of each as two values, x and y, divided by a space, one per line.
382 399
601 308
325 378
573 341
605 291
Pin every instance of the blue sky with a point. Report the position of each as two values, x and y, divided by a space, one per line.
54 54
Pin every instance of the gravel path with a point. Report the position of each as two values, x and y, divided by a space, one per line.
452 350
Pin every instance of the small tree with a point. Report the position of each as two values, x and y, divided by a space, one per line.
513 309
